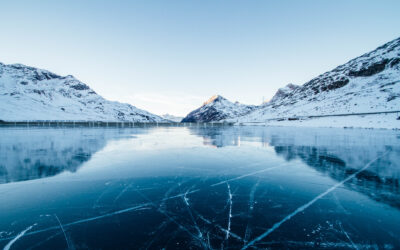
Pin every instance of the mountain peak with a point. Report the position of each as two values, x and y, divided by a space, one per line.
284 92
214 98
217 108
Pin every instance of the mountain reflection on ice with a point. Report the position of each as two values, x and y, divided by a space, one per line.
335 152
46 152
199 187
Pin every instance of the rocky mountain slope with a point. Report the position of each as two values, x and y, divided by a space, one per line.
369 83
28 93
218 108
284 92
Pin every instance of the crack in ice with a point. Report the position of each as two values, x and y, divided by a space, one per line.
122 192
186 200
43 241
251 207
308 204
133 208
230 211
347 236
62 228
164 212
246 175
219 227
7 247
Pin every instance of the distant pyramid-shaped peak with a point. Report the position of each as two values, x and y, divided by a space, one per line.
214 98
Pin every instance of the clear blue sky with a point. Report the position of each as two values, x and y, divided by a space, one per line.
169 56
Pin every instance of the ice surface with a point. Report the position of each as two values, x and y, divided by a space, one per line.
196 187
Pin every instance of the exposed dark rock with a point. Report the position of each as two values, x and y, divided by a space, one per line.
39 92
394 62
388 84
370 70
50 75
315 89
209 115
80 86
40 76
338 84
20 66
392 97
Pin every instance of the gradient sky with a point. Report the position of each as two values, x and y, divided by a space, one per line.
170 56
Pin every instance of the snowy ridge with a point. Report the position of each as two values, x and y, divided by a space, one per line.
28 93
218 108
284 92
369 83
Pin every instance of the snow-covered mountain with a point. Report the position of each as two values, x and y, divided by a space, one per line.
28 93
217 108
284 92
172 118
369 83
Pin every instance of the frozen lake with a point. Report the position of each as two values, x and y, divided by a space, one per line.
199 188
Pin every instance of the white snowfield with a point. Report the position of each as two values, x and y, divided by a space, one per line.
172 118
31 94
369 83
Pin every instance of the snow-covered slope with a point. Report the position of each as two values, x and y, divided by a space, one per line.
284 92
217 108
28 93
172 118
369 83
